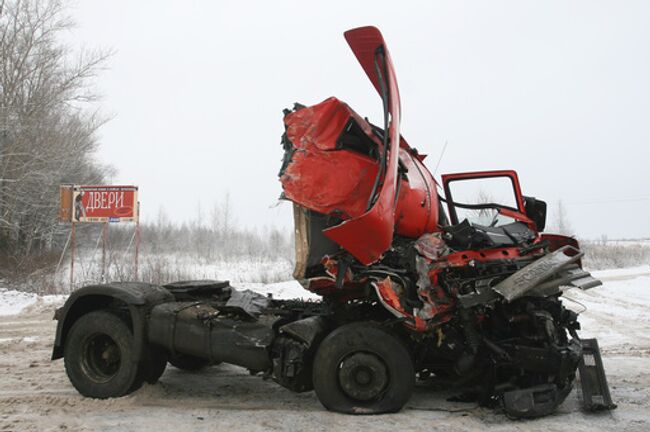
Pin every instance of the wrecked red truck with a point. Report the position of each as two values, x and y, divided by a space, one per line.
450 282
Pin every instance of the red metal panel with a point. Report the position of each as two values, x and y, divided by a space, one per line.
364 41
417 205
368 236
318 126
320 177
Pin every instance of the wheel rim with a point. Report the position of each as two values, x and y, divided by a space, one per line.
363 376
102 358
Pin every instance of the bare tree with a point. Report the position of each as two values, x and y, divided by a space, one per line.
562 224
226 215
483 197
47 128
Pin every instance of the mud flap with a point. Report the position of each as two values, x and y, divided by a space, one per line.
595 391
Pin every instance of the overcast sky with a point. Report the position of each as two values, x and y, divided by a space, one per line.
557 90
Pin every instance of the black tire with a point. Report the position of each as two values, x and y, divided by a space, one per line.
154 364
99 356
362 368
188 363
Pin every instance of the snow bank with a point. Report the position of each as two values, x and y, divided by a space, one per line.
621 272
281 290
13 302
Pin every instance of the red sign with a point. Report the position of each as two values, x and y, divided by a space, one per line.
104 203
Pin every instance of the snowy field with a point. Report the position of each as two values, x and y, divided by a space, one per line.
35 394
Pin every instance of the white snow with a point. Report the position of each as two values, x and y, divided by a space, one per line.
617 313
621 272
281 290
13 302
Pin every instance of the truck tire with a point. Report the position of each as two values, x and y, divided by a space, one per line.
361 368
188 363
99 356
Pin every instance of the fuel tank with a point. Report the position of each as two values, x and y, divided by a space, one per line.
198 329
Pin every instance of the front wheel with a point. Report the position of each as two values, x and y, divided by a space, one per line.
99 356
362 368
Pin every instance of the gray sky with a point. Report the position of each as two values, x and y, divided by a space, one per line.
557 90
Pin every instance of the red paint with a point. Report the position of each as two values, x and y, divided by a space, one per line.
368 236
104 203
417 205
320 177
462 258
520 215
326 286
389 296
364 41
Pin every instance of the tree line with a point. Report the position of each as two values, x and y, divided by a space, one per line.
48 125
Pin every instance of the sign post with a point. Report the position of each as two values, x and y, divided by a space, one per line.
73 244
137 245
99 204
104 239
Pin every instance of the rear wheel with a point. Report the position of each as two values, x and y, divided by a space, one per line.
361 368
99 356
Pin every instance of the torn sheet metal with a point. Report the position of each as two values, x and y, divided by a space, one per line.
249 301
571 276
431 246
305 330
313 134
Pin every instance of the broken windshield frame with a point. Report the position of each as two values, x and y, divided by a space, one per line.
502 209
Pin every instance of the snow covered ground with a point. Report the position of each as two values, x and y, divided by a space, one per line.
13 302
35 393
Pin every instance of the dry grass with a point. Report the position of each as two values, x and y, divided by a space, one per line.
599 255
